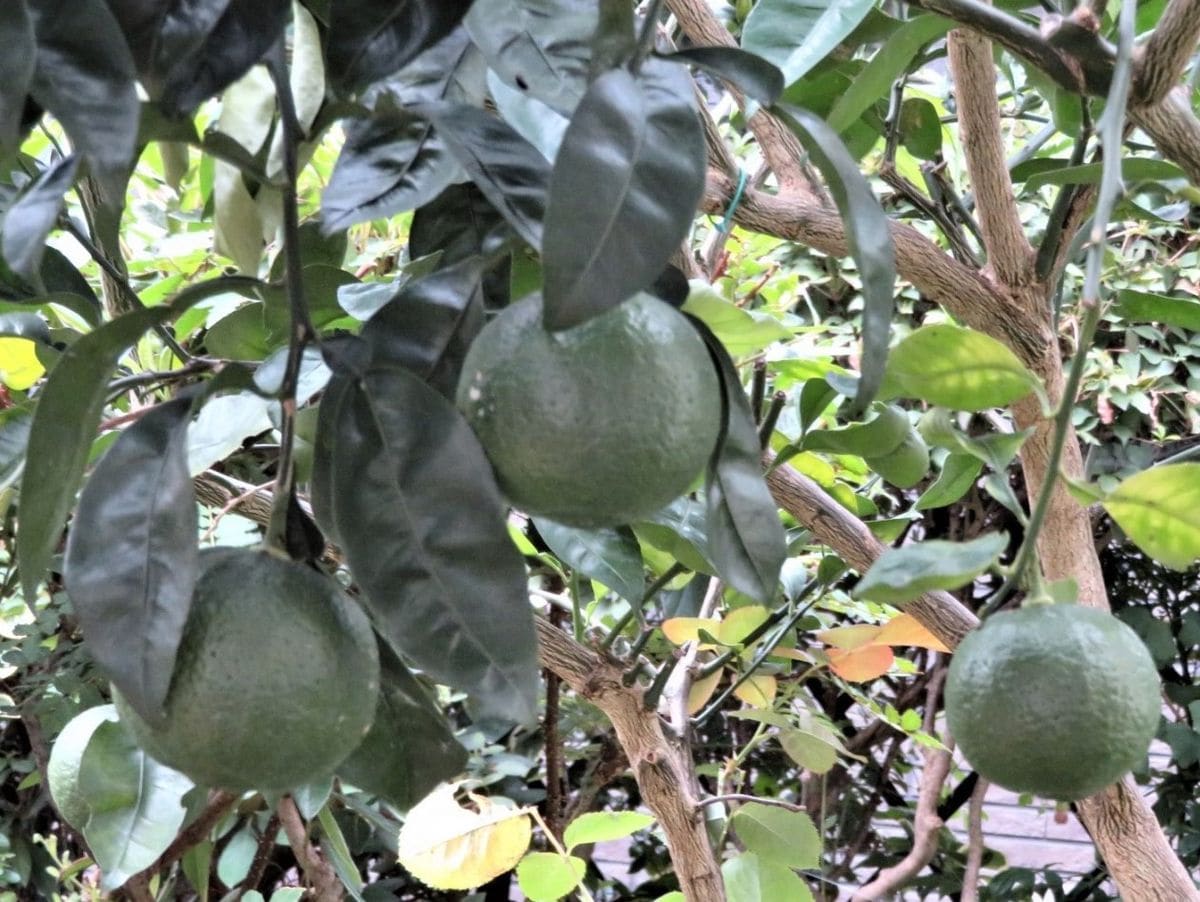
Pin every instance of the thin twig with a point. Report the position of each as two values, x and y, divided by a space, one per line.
317 869
970 884
742 797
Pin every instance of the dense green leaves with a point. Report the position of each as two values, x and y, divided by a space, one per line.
868 233
132 560
745 538
67 415
136 804
1141 306
609 556
1159 509
422 525
958 368
902 574
371 39
795 35
640 138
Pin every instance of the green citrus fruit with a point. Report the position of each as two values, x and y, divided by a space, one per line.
597 425
62 770
276 679
1059 700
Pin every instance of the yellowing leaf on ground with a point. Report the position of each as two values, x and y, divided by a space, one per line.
861 664
905 629
758 690
687 629
740 623
849 638
19 364
447 846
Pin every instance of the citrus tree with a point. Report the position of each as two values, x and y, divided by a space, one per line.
366 361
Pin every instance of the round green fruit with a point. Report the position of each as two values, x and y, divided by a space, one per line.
276 679
62 770
598 425
1059 700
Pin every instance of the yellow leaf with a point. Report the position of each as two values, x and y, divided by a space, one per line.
447 846
905 629
702 691
740 623
794 654
687 629
849 638
758 690
19 365
860 664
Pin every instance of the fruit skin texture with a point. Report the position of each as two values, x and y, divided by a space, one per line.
1059 700
276 680
62 770
599 425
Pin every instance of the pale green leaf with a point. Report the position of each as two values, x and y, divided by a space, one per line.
602 826
958 368
741 331
778 835
902 574
1159 509
548 876
748 878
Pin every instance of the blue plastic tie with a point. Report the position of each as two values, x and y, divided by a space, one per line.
727 223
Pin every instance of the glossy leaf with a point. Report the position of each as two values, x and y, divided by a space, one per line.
881 434
902 574
510 171
31 217
958 368
609 556
778 835
534 121
65 421
905 465
16 68
958 474
84 75
604 826
135 803
745 537
422 525
457 223
371 39
539 47
447 846
131 560
548 876
795 35
1159 509
409 748
741 331
640 138
868 234
746 71
749 878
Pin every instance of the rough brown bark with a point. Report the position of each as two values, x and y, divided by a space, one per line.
1165 54
1175 130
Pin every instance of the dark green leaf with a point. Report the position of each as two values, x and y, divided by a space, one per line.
1140 306
1132 170
67 415
67 286
540 47
614 42
371 39
136 804
24 325
409 748
679 530
795 35
748 72
16 68
423 527
131 558
457 223
902 574
85 77
30 219
640 139
905 465
745 537
815 396
609 556
959 472
509 171
869 236
14 437
429 325
921 128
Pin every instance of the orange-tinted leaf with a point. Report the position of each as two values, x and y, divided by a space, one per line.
905 629
793 654
740 623
701 691
861 664
758 690
849 638
687 629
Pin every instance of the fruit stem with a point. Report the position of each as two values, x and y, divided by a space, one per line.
301 331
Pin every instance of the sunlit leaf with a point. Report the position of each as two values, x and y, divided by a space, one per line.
849 638
861 664
757 690
19 364
548 876
740 622
687 629
907 630
901 574
1159 509
795 35
604 826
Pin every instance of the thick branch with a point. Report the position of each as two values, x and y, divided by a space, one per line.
1009 254
962 291
662 767
1165 54
317 869
1175 131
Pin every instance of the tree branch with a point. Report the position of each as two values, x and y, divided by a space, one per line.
1009 254
970 885
317 870
1175 130
1165 54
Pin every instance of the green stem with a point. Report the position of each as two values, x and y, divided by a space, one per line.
634 609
